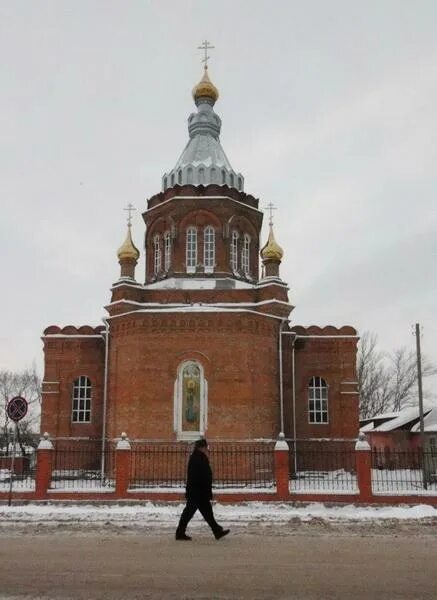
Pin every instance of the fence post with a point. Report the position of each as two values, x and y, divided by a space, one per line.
123 465
43 475
363 457
282 472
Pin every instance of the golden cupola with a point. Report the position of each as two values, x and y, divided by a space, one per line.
271 255
272 250
205 89
128 256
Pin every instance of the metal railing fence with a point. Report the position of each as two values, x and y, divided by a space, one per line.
79 464
318 466
23 477
404 471
234 465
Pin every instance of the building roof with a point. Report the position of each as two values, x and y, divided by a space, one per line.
404 417
429 422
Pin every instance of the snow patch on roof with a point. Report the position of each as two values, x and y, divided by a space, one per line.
430 422
404 417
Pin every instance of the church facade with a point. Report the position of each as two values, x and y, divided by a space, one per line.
203 343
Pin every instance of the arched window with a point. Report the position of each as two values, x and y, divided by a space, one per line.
81 400
213 175
209 249
231 177
189 175
190 401
165 183
167 250
172 179
202 175
156 255
191 250
223 176
179 177
317 400
245 254
234 250
240 184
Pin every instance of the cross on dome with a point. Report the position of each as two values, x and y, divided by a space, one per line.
205 46
130 209
271 207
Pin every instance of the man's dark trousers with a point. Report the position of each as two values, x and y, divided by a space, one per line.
205 509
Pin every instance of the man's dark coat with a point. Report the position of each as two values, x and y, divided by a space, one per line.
199 477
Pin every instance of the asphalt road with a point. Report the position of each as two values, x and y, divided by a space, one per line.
262 563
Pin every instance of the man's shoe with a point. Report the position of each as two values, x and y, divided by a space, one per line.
222 533
182 537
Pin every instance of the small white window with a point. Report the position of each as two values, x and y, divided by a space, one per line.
191 250
234 250
81 412
209 249
156 254
245 254
167 251
318 400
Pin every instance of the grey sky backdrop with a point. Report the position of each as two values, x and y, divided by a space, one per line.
328 109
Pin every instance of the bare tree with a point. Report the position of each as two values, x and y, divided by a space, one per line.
27 384
387 382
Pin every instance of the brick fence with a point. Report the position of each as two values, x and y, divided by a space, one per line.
283 486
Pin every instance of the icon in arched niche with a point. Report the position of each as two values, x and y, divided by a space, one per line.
191 398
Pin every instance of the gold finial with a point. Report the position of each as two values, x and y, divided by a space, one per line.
205 88
128 250
272 250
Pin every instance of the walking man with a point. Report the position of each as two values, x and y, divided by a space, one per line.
199 493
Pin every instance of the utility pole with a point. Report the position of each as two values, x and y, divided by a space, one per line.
419 385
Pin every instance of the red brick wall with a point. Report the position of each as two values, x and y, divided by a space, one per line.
67 358
223 213
333 359
239 354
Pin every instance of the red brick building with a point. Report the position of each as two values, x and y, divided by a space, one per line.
205 345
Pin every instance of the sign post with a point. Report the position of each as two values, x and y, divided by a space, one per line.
16 410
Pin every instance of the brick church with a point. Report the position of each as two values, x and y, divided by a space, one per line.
202 343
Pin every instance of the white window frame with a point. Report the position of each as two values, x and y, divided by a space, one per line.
81 414
245 254
167 251
209 249
156 254
318 413
234 250
177 403
191 249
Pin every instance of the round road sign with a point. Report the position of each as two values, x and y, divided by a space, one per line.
17 408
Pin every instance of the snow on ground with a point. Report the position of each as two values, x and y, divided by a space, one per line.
150 514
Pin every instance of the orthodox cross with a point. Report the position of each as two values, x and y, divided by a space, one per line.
271 207
205 47
130 209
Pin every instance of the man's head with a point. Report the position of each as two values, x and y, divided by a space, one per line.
201 445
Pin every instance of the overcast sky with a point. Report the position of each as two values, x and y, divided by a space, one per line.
328 109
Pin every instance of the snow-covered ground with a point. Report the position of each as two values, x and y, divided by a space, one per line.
156 514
